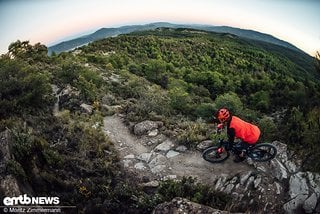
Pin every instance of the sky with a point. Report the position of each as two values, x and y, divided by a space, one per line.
53 21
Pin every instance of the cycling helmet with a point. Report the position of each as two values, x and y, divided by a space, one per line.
223 115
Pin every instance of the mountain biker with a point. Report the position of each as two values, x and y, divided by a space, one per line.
237 128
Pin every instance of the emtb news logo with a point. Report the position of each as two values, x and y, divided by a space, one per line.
26 200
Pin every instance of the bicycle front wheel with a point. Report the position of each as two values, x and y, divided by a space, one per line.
212 155
262 152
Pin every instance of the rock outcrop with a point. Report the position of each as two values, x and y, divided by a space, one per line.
182 206
270 187
303 187
9 185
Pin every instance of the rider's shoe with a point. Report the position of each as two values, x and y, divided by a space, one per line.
238 159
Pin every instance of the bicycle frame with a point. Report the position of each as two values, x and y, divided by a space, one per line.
225 145
258 152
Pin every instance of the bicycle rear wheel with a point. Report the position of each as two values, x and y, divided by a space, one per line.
262 152
212 155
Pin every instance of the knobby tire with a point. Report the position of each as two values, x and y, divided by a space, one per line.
262 152
211 155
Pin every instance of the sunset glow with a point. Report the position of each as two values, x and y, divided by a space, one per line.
52 21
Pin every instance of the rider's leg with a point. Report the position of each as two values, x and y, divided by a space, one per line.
240 148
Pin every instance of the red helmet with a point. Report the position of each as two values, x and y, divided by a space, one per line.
223 115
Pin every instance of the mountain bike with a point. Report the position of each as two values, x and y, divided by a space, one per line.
260 152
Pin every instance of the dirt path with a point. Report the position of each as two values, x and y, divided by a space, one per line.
138 157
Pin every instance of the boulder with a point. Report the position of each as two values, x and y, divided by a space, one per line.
279 170
70 91
153 184
298 193
181 148
283 157
158 160
157 169
145 157
172 154
153 133
298 185
204 144
87 108
244 177
294 204
165 146
145 127
310 204
140 166
221 182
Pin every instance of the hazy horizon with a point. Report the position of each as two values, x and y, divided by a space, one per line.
52 21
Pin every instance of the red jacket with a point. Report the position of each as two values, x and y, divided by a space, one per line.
247 132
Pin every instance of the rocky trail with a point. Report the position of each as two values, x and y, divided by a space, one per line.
277 186
164 160
272 187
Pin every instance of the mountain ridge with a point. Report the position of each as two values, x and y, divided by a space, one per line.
109 32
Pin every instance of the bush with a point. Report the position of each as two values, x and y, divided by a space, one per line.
190 189
205 111
191 133
15 168
52 158
180 100
153 101
268 130
23 145
87 88
22 88
230 101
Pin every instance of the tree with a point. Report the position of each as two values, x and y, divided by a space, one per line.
22 87
295 126
18 48
23 50
260 100
230 101
179 99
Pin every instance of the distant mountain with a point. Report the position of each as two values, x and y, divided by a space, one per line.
109 32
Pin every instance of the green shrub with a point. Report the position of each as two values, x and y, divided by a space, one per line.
23 145
154 100
230 101
15 168
87 88
205 111
190 189
68 72
23 88
268 128
52 158
180 100
191 133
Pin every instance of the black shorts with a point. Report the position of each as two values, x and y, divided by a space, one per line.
240 146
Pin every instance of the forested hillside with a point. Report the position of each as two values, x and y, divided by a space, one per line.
178 76
199 71
111 32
